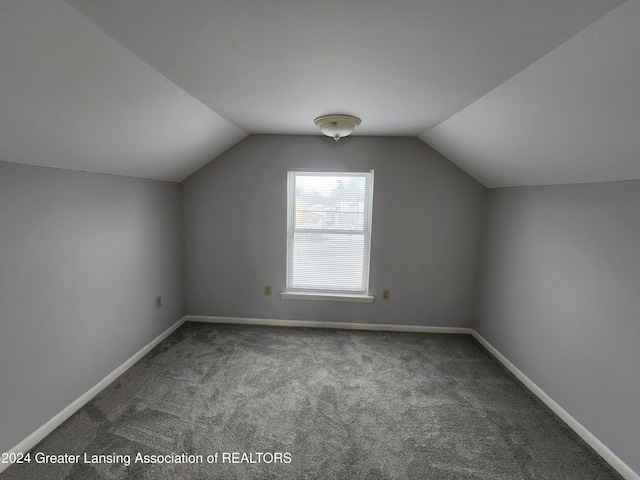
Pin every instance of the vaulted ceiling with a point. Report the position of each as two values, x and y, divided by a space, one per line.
515 92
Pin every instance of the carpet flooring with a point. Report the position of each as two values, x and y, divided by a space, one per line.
252 402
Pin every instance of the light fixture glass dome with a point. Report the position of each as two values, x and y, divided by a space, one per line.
337 126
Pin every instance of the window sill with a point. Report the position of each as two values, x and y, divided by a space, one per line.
328 297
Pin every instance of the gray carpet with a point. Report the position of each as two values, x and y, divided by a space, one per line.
316 404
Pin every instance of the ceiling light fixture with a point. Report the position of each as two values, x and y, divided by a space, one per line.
337 126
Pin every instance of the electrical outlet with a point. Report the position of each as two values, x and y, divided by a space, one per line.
267 289
385 294
158 301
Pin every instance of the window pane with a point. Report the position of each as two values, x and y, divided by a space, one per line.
330 202
329 231
328 261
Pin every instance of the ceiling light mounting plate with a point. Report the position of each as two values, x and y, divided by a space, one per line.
337 126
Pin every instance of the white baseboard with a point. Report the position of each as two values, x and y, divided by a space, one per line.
613 460
37 436
610 457
340 325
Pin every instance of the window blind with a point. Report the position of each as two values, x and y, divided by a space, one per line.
329 231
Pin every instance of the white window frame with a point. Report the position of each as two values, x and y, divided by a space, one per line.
360 295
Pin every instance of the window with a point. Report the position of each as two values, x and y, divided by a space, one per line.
329 234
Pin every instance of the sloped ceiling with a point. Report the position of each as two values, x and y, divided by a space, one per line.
71 97
157 88
571 117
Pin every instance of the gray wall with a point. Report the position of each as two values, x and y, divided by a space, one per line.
82 258
235 231
561 299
